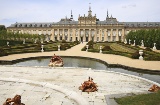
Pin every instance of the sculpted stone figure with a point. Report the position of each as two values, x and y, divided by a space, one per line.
154 88
14 101
88 86
56 61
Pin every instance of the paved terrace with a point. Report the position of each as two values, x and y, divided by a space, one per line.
76 51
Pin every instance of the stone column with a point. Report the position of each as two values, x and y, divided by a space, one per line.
123 35
84 35
58 34
111 35
89 36
52 35
117 35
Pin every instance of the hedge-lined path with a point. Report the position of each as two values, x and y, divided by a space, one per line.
76 51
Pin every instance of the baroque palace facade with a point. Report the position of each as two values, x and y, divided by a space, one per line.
85 29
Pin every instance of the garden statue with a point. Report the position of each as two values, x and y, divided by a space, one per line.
14 101
7 43
88 86
134 44
142 44
129 41
140 53
154 47
56 61
23 41
154 88
35 41
42 48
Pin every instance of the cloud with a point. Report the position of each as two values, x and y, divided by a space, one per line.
54 10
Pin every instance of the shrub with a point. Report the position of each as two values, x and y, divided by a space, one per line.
153 58
106 48
63 41
38 47
148 49
2 52
135 55
63 47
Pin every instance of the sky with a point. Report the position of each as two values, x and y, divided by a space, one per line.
12 11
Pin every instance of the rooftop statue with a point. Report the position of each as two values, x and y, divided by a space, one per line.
14 101
56 61
88 86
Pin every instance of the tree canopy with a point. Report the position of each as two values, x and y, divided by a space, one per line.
149 37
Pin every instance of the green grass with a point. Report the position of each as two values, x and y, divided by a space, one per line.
144 99
18 47
124 50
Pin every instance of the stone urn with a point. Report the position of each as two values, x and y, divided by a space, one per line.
42 48
86 47
140 53
100 51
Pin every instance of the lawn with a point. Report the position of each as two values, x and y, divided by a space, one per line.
17 47
122 49
143 99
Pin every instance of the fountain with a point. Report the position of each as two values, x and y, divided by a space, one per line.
88 86
56 61
16 101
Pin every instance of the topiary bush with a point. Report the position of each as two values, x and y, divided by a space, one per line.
106 48
38 47
63 47
63 41
2 52
148 49
135 55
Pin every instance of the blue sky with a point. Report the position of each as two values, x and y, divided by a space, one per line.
12 11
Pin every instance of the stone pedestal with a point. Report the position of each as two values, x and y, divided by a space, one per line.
154 47
42 48
140 53
100 51
86 47
59 47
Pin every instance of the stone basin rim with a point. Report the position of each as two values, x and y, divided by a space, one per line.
7 62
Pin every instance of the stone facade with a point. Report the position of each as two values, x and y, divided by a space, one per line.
85 29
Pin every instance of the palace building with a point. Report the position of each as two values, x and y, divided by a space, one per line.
88 27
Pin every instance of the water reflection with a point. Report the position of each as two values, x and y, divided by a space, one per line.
86 63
